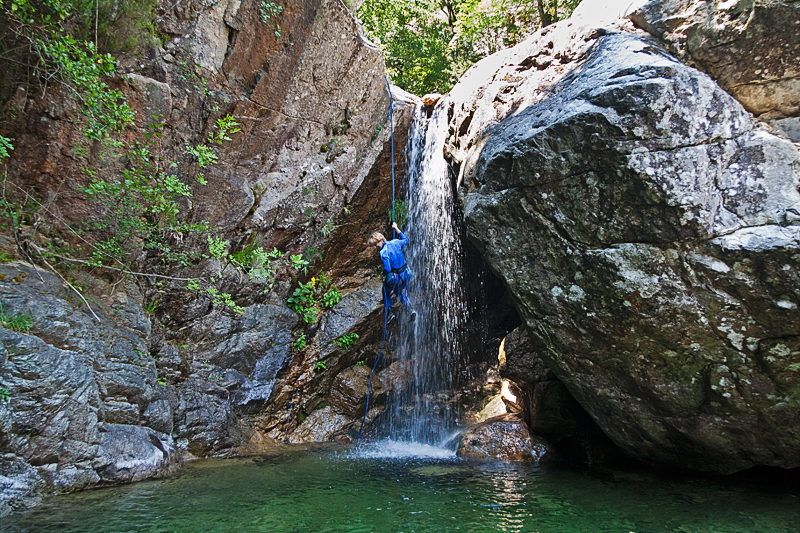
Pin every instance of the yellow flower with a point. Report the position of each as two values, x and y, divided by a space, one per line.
313 281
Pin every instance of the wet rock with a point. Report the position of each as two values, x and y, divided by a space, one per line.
322 425
349 390
549 408
349 313
495 407
120 412
205 420
131 453
504 437
519 361
159 416
641 220
68 377
398 377
20 484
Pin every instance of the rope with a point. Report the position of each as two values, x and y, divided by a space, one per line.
391 133
369 387
385 309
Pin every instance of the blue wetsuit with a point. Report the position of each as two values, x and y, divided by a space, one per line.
395 271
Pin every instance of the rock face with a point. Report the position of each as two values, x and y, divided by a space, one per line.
77 390
548 407
750 47
645 226
309 173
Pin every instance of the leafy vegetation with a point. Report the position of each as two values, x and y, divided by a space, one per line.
299 343
268 12
140 190
429 44
304 303
21 323
400 212
309 298
346 341
298 263
320 366
331 298
5 394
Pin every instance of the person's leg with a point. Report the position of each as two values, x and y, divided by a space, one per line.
402 293
387 297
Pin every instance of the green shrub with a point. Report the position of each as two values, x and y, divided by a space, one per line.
400 212
304 302
346 341
331 298
299 343
122 27
21 323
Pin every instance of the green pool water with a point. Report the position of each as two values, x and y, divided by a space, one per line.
330 489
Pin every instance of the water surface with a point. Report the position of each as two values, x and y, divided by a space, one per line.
329 489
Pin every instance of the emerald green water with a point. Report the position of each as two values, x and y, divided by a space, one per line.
328 489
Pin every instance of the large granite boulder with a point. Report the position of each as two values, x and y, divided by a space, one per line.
646 228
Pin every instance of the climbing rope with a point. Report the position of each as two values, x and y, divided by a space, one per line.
391 135
369 387
385 309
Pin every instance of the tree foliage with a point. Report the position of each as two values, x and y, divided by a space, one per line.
69 43
429 44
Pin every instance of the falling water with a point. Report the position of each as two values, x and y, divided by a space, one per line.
431 345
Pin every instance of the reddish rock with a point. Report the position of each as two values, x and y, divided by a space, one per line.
430 100
349 390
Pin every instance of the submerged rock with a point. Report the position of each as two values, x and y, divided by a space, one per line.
642 221
503 437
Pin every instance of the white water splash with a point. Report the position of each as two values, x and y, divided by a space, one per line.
391 449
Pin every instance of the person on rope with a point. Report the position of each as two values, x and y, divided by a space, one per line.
395 271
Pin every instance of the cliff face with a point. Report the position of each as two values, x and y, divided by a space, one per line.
645 225
116 393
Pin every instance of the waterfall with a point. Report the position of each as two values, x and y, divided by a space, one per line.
430 347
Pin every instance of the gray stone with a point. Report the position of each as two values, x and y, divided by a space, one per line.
205 419
350 312
20 484
788 128
643 223
322 425
131 453
115 412
349 391
159 416
751 47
